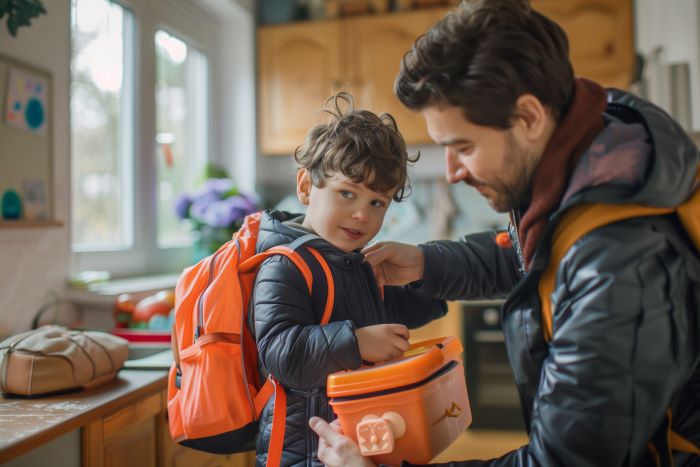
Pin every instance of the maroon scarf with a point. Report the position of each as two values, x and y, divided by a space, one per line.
576 131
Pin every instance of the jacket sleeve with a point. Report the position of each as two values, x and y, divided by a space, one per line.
624 340
474 267
292 346
412 307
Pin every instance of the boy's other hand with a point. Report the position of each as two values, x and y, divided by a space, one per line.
395 263
382 342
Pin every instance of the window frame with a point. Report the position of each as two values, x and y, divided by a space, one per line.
199 30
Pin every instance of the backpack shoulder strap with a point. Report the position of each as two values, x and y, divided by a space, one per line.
298 252
586 217
577 222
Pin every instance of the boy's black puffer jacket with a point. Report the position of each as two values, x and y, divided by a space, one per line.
300 353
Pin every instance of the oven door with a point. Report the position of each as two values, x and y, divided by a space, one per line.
493 395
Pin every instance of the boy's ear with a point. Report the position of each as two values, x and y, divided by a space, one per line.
303 186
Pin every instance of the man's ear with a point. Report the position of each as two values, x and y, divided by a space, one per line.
531 117
303 186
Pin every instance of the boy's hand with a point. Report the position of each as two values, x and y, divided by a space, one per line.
382 342
395 263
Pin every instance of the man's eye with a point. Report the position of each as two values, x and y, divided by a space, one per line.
465 151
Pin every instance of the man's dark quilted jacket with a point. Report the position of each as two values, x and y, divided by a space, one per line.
298 352
626 322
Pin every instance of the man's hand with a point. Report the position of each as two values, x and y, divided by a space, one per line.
382 342
336 449
395 263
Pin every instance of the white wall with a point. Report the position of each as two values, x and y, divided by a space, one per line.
671 28
35 261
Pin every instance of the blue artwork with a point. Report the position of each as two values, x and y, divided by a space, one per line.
27 101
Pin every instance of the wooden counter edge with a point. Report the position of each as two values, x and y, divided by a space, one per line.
35 440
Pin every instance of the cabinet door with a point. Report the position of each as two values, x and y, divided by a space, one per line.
600 37
135 447
299 68
374 47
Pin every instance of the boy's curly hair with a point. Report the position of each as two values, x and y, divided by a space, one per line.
365 147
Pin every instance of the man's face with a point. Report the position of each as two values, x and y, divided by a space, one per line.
495 162
346 214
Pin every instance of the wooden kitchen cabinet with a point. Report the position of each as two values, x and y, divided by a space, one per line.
125 438
299 68
600 37
138 435
302 64
375 46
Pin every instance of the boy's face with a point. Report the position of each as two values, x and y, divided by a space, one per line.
346 214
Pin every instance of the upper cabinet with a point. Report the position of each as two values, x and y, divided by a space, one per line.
375 46
302 64
299 65
600 37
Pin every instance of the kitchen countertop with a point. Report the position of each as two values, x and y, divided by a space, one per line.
26 424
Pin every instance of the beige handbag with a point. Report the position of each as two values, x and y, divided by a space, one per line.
53 359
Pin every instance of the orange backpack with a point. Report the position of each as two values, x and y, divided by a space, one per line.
214 392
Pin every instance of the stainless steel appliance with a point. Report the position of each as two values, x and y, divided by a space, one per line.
493 396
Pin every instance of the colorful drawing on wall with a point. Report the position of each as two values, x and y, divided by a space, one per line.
27 98
35 201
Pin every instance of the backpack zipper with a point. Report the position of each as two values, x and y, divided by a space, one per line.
200 303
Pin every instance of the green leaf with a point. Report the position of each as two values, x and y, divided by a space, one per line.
20 12
4 7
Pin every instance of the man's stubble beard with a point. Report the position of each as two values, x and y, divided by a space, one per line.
516 193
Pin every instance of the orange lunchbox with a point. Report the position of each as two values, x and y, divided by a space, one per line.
410 408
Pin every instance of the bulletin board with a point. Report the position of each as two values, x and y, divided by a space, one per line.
26 138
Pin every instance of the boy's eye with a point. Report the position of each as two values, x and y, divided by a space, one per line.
378 203
346 194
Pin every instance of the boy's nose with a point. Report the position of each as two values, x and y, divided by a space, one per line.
454 169
360 214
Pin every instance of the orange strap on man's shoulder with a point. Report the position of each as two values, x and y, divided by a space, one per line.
577 222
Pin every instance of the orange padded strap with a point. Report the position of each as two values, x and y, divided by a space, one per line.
679 443
262 396
252 263
279 419
577 222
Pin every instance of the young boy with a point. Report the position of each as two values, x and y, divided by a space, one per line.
350 170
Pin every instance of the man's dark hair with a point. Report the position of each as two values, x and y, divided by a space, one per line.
365 147
485 55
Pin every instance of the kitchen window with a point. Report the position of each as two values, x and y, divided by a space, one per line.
140 99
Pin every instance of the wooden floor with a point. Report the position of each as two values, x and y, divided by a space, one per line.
482 444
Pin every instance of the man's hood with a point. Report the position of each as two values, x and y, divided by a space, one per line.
642 156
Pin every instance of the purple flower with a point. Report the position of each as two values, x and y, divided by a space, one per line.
218 186
216 204
182 206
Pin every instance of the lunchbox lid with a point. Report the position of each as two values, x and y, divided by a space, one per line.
418 363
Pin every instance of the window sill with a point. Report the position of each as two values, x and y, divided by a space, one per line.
105 293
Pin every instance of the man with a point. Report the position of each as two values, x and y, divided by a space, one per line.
617 381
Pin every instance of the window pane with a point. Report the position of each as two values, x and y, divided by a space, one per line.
101 141
181 119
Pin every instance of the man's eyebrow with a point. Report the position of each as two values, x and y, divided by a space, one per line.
452 142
